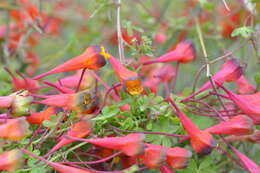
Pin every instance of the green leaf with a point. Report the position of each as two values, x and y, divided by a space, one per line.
107 112
257 77
244 31
206 163
50 123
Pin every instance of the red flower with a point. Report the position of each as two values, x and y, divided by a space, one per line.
24 83
244 87
238 125
81 102
130 145
184 53
248 103
93 58
14 129
153 156
80 129
201 141
230 19
229 72
129 79
11 160
249 165
176 157
34 62
39 117
72 81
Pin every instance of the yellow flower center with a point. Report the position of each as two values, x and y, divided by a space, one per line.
104 53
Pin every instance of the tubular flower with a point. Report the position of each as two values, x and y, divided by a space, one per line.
57 166
81 102
129 79
238 125
229 72
176 157
248 103
24 83
130 145
153 157
72 81
11 160
14 129
93 58
201 141
80 129
249 165
244 87
184 53
39 117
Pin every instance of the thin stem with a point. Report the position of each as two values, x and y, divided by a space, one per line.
213 62
226 6
106 96
146 132
208 74
81 78
210 107
95 162
36 132
119 34
53 130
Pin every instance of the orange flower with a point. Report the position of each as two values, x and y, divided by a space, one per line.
153 156
15 129
80 129
129 79
11 160
39 117
230 19
93 58
176 157
130 145
81 102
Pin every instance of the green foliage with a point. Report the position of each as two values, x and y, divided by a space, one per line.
245 32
